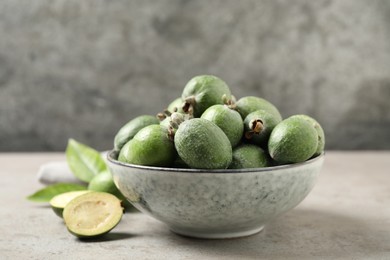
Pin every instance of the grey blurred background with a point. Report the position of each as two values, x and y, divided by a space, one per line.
81 69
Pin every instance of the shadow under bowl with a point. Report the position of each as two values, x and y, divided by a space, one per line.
215 203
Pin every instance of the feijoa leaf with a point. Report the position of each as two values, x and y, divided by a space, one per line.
84 161
47 193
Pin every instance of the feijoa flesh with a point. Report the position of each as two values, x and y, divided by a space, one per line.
201 92
130 129
293 140
228 120
92 214
151 146
59 201
202 144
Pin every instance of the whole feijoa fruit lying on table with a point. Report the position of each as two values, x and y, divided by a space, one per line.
207 128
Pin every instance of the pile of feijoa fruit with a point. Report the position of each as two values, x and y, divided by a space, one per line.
207 128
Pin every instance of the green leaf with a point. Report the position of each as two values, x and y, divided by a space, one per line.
47 193
84 161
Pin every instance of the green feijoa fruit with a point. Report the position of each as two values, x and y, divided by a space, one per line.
130 129
92 214
320 132
166 122
201 92
59 201
249 156
259 125
179 163
228 120
103 182
203 145
151 146
293 140
247 105
176 106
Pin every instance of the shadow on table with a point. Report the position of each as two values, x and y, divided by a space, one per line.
301 233
112 236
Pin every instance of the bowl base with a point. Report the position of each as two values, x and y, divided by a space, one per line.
227 235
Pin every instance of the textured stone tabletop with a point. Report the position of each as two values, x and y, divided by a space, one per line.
346 216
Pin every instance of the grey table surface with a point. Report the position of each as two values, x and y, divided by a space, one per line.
346 216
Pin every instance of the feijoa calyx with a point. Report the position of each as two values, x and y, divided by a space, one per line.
92 214
202 144
201 92
151 146
228 120
59 201
258 126
293 140
131 128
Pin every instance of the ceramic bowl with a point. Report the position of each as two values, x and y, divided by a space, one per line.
215 203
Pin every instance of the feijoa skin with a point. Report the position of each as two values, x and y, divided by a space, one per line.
320 132
103 182
228 120
166 122
293 140
151 146
249 156
201 92
249 104
259 125
92 214
179 163
202 144
130 129
176 105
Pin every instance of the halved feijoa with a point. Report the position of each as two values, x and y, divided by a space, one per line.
59 202
92 214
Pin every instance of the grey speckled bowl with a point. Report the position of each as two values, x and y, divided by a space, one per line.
215 203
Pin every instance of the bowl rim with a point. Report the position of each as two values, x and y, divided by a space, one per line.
110 158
